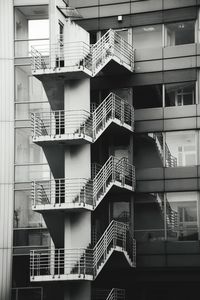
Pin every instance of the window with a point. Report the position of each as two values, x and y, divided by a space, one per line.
147 37
31 28
181 149
148 150
147 96
179 94
149 217
179 33
181 216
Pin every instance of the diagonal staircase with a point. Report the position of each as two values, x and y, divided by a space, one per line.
80 192
81 56
83 264
68 125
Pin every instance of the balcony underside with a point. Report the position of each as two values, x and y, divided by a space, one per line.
113 66
62 73
65 139
115 187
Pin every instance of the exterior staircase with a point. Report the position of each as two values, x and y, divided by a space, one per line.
81 56
83 264
74 125
80 192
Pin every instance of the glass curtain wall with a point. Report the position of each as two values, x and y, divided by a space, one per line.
166 216
31 28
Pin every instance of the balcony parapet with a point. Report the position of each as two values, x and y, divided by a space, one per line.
81 57
79 126
82 193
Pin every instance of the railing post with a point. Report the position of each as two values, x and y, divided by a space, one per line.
34 125
113 105
122 111
58 262
34 193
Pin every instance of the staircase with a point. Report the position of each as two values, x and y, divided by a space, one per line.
68 125
91 58
81 192
83 264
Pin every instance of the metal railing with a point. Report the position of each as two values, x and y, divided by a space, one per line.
60 122
92 57
81 122
84 191
60 55
83 261
109 45
113 294
63 190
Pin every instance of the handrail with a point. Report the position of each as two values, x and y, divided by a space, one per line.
84 191
78 53
83 261
81 122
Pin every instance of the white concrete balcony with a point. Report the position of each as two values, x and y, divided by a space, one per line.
80 126
82 193
75 60
83 263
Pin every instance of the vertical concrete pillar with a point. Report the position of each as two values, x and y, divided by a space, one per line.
7 146
77 231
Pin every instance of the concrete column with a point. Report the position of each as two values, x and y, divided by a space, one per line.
77 225
7 146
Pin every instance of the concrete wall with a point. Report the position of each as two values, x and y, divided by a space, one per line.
7 146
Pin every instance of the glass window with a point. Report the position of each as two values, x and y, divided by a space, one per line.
149 217
120 211
181 216
31 237
147 37
148 96
29 29
31 172
27 87
181 149
23 110
179 94
24 216
179 33
148 150
25 150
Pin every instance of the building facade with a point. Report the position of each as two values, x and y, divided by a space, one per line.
100 157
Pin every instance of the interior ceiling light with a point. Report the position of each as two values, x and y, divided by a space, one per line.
181 26
149 28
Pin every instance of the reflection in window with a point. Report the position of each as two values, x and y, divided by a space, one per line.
181 149
120 211
148 96
31 237
28 173
147 37
181 216
24 216
149 217
25 150
148 150
27 87
179 94
179 33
